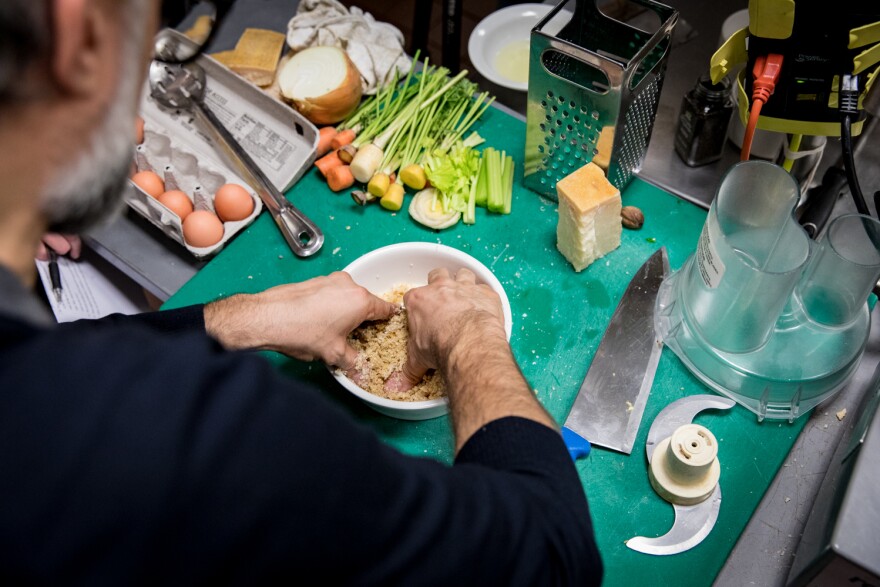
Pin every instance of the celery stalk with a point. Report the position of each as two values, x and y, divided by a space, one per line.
508 186
470 216
482 179
496 169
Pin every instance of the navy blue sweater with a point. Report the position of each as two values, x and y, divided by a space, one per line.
134 450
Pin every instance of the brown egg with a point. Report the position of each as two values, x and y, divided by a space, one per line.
177 202
150 182
202 229
233 202
139 130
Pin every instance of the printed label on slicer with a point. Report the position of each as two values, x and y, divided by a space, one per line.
709 263
267 147
263 143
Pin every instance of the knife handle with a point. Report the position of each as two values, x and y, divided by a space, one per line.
577 445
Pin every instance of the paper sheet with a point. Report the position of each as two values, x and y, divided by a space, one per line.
90 290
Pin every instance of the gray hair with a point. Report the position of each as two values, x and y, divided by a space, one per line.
25 37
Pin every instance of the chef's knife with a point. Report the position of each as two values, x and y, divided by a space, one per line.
609 406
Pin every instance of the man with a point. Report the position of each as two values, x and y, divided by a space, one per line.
138 450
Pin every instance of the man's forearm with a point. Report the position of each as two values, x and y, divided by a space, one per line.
230 321
484 384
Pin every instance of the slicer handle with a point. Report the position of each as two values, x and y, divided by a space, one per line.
302 235
577 445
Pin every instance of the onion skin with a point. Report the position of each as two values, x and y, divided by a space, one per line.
335 105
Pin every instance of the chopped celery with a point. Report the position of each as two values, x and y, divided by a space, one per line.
453 174
483 180
508 185
496 170
470 215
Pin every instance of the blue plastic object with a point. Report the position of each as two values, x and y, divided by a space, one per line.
577 445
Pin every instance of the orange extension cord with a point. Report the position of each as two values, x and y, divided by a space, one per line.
765 73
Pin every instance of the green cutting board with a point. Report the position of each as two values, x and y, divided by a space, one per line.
559 317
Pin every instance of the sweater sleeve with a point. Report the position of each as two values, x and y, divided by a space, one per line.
170 461
188 318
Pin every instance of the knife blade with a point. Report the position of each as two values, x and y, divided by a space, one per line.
609 406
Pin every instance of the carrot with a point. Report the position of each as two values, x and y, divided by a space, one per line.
328 162
325 139
342 138
340 178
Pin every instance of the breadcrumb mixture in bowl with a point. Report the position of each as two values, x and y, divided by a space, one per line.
382 351
389 272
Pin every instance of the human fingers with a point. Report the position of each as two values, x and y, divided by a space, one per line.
42 252
379 309
346 360
407 378
413 371
57 243
464 275
75 245
438 273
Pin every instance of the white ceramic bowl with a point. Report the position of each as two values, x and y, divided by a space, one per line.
409 263
502 35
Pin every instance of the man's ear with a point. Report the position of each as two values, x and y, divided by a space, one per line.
79 33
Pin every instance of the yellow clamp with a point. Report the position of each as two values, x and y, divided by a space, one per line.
729 55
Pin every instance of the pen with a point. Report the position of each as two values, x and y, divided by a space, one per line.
55 275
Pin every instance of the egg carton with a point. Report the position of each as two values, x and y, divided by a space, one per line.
282 142
183 170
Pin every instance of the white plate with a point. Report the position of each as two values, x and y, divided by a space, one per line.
507 29
409 263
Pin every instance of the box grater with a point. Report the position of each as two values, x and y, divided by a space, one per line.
594 85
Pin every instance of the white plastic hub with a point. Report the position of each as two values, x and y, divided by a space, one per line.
684 469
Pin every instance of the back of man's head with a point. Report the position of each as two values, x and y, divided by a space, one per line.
24 39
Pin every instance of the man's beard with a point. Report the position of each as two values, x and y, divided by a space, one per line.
90 188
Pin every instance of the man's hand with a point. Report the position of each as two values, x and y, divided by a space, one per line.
440 315
63 244
457 326
307 321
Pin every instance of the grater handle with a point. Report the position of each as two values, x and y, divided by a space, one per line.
618 73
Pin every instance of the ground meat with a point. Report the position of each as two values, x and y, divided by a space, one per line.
381 348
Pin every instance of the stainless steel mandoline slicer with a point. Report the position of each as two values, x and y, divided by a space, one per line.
594 85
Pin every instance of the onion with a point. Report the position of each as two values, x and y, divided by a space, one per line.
322 83
426 209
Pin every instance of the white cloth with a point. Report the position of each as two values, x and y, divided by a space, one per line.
376 48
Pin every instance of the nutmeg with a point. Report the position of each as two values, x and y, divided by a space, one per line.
631 217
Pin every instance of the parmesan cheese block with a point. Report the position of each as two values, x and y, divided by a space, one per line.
224 57
256 55
589 216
